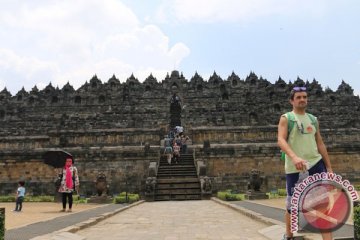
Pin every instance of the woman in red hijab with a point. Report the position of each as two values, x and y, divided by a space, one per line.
69 182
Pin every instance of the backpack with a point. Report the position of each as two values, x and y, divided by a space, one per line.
291 123
168 150
167 142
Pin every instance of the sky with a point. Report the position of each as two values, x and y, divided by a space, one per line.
53 41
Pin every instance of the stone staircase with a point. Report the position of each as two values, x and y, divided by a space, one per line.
177 181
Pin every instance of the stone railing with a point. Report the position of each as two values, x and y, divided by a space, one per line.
150 183
205 181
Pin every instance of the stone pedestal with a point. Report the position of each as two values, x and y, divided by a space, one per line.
206 196
100 199
254 195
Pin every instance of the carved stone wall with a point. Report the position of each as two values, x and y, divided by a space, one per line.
217 102
125 168
229 164
106 125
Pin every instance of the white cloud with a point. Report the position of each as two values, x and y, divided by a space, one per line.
210 11
2 84
29 70
143 47
67 41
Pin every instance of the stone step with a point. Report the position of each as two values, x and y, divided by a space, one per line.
164 160
178 185
176 177
165 163
177 173
177 191
163 175
180 160
177 197
177 170
175 166
178 180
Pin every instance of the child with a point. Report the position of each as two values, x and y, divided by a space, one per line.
20 194
176 154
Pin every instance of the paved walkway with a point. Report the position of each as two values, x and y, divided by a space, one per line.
164 221
33 212
176 220
55 224
346 231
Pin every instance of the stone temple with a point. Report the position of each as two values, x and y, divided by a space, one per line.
116 129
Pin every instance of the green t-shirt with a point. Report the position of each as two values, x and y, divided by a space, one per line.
302 141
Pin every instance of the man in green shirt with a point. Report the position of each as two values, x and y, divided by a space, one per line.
303 146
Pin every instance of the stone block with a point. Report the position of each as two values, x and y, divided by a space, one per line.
152 169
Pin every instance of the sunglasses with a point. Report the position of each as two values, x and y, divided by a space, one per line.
299 89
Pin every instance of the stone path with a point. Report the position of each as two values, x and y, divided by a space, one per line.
346 231
176 220
49 226
170 220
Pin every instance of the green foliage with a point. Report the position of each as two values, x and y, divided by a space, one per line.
228 195
78 199
11 198
2 223
131 197
7 198
282 192
357 221
81 200
357 187
39 198
277 193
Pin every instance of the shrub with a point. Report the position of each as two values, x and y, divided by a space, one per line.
44 198
2 223
39 198
272 195
81 200
282 192
277 193
357 187
229 196
121 198
7 198
357 221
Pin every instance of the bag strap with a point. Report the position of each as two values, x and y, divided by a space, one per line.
313 120
291 121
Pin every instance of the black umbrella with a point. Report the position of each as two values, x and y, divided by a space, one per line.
57 158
